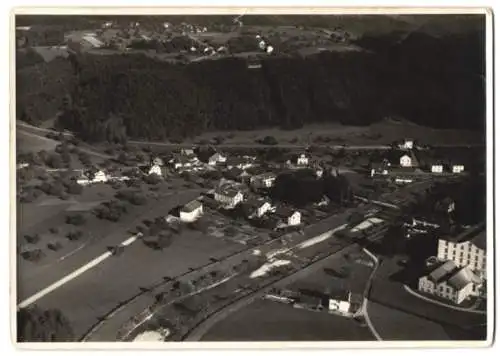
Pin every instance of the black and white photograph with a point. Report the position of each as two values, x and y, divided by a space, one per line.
252 176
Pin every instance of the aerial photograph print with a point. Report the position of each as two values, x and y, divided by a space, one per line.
251 177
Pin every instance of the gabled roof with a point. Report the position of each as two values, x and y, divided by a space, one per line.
216 155
441 272
461 278
284 212
191 206
339 294
229 192
256 203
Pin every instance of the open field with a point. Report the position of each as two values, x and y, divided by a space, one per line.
265 320
29 142
378 133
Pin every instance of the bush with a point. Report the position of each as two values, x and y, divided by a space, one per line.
54 246
74 188
268 140
32 239
74 235
54 230
33 255
76 220
37 325
152 179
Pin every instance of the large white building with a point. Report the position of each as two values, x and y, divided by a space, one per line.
92 176
450 281
265 180
466 249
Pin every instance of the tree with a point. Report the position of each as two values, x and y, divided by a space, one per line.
37 325
77 219
54 161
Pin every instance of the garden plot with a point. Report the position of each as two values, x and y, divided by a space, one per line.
232 230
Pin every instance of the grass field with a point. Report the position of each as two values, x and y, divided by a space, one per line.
270 321
379 133
27 142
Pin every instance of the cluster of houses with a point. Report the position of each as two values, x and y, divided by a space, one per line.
404 162
459 269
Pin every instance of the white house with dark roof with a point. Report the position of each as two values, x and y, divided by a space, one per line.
229 197
299 160
451 282
216 158
191 211
258 207
92 176
288 217
457 168
264 180
339 301
152 169
406 144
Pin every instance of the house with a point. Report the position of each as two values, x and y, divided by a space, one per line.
450 281
457 168
191 211
339 301
319 171
151 169
92 176
299 160
465 249
157 161
187 152
405 161
244 162
257 207
180 162
265 180
406 144
216 158
22 165
437 168
230 197
288 217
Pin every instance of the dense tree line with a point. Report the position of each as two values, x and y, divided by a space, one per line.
431 81
302 187
37 325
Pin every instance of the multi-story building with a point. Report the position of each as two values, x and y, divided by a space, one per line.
465 249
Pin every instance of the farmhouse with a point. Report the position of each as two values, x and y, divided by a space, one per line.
300 160
230 197
339 301
288 217
457 168
191 211
180 162
257 207
151 169
92 176
265 180
450 282
406 144
244 162
216 158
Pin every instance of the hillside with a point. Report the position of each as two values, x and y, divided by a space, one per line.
432 81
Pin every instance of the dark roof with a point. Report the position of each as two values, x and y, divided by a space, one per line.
393 156
442 272
191 206
339 294
256 203
476 235
284 212
229 192
461 278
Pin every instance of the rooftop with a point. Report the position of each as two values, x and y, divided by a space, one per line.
475 235
284 212
191 206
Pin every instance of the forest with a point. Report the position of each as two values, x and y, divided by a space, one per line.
431 81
